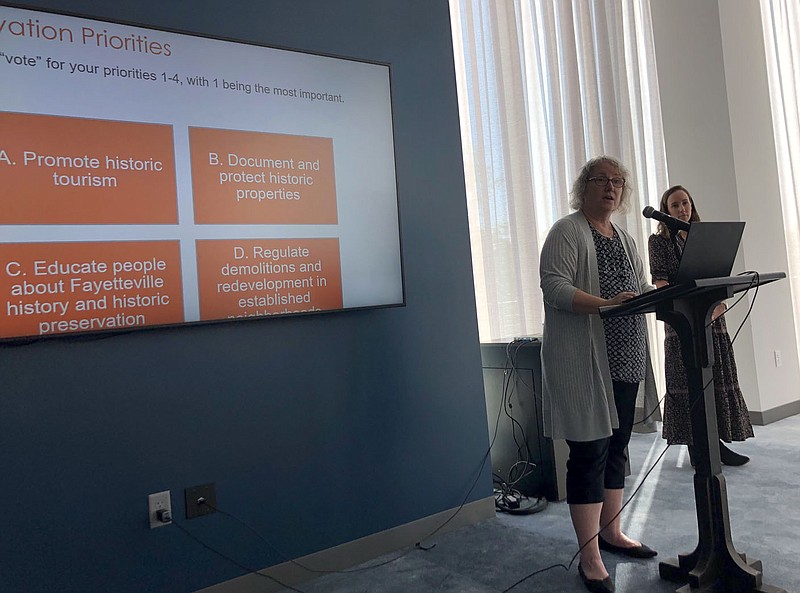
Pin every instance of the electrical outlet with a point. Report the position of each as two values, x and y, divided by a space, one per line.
160 501
778 359
197 496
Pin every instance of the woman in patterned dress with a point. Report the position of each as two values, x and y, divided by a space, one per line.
593 369
733 419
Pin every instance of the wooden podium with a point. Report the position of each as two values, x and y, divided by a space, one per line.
714 566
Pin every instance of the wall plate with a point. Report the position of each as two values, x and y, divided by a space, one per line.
205 491
157 502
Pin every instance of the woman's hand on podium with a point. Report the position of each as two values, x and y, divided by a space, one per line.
719 311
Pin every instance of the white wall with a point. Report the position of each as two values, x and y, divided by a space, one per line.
718 134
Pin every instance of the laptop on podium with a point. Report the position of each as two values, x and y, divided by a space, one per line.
709 251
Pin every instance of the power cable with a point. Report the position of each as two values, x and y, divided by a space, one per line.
232 560
508 498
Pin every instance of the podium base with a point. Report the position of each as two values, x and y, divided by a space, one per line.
718 588
671 570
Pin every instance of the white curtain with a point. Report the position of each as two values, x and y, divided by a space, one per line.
543 86
781 23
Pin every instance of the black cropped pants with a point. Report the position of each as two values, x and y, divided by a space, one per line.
594 466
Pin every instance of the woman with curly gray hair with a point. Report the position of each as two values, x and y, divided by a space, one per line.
593 369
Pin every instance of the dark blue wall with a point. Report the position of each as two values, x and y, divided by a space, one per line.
316 430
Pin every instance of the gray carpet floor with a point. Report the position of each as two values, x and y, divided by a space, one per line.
491 556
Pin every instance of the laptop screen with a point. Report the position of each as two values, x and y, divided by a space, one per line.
710 250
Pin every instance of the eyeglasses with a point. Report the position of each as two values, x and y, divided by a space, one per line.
601 181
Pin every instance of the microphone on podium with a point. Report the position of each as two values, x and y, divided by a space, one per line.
676 224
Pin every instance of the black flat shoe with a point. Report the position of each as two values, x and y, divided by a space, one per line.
729 457
640 551
605 585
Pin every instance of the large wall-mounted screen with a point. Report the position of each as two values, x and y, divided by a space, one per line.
149 177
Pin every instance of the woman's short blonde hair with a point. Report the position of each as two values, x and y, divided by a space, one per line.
578 191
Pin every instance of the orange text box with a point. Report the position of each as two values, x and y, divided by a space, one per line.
259 178
52 288
67 170
248 278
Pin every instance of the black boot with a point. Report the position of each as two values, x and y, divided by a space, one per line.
729 457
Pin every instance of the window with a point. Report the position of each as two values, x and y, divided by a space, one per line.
543 87
781 23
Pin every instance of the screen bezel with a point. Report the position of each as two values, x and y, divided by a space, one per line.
106 333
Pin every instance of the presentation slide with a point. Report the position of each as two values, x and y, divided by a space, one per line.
157 178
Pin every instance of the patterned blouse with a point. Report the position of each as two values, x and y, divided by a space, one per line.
663 260
625 336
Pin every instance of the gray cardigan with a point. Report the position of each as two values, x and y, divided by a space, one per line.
578 396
